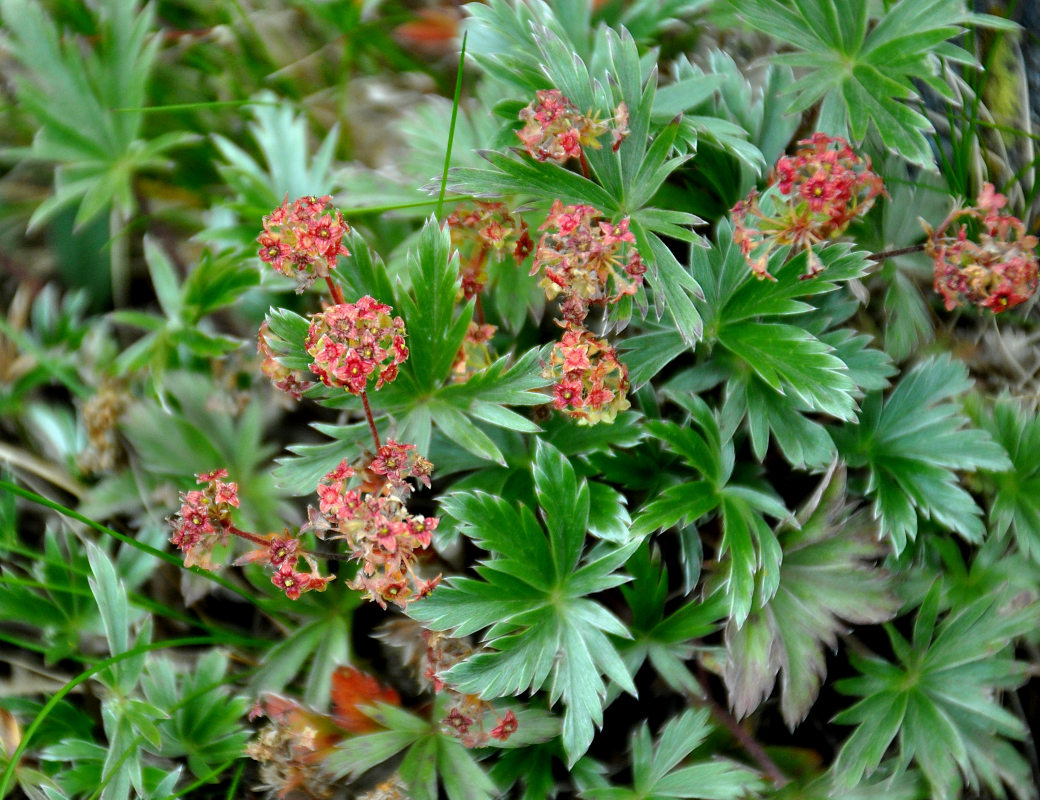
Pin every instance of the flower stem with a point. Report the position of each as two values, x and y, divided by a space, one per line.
584 165
335 291
747 741
371 421
902 251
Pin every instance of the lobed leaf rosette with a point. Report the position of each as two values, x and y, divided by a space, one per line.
303 240
822 188
586 259
997 272
591 383
352 342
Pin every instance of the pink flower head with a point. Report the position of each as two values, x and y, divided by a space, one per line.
303 240
351 342
591 384
398 462
996 272
554 129
481 229
204 520
821 189
586 259
376 525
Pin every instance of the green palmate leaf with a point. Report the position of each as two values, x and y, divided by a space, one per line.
792 361
827 575
431 755
863 74
287 167
938 699
748 546
778 373
434 332
1016 501
911 443
532 594
74 95
664 638
656 772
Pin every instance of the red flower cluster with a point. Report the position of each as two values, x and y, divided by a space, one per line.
204 520
494 230
303 240
591 383
282 552
822 188
997 272
287 380
351 342
377 526
554 129
586 260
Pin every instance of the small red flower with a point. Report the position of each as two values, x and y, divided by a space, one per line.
506 727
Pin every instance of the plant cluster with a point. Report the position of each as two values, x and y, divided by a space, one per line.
652 449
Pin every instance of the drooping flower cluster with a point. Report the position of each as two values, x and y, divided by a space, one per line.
303 240
374 521
821 189
555 130
284 379
493 230
204 520
998 271
352 342
586 259
591 384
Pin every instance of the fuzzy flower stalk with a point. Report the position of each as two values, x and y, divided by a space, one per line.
999 271
302 241
821 189
354 343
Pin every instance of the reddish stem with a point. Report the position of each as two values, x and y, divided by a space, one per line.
252 537
478 309
260 540
749 743
337 293
371 421
902 251
584 165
